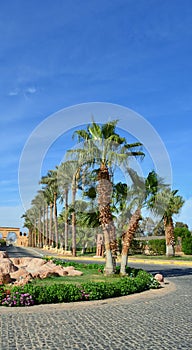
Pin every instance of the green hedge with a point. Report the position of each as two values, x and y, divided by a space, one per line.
58 293
187 245
157 246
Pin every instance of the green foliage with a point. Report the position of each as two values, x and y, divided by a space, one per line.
186 239
15 298
137 246
187 245
58 293
2 293
157 246
2 242
135 281
78 266
182 232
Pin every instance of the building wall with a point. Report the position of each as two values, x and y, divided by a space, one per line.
22 239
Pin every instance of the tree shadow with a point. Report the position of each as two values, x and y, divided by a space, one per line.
172 272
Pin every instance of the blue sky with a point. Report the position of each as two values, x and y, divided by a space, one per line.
54 55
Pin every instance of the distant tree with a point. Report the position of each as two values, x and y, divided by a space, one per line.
169 203
180 224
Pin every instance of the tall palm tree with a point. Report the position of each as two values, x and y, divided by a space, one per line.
68 177
169 204
104 147
39 203
50 180
29 225
143 192
31 219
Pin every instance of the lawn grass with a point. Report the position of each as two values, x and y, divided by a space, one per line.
162 257
89 275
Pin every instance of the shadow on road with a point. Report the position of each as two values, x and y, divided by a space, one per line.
18 252
174 272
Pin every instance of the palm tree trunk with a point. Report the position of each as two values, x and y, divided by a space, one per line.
104 189
35 235
169 236
43 230
47 226
55 220
66 219
39 230
73 222
51 238
127 239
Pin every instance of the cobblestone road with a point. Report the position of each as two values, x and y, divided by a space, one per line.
153 320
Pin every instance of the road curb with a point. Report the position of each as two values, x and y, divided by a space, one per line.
130 259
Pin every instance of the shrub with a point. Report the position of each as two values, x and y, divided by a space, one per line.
57 293
137 246
2 242
136 281
16 298
157 246
2 293
187 245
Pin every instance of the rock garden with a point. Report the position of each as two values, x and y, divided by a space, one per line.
29 281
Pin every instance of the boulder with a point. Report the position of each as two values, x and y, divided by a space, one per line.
3 255
35 264
74 273
20 271
21 261
159 277
7 266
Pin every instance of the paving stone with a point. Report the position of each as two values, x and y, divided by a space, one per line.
159 323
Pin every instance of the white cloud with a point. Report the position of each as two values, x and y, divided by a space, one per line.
186 213
27 90
14 92
31 90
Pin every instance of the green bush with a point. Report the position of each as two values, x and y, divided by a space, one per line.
58 293
187 245
186 239
2 293
2 242
137 247
157 246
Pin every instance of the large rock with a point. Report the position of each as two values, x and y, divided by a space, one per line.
7 266
20 271
3 255
21 261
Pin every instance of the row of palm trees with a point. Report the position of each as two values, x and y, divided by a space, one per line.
89 170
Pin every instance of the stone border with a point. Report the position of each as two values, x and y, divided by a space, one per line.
166 287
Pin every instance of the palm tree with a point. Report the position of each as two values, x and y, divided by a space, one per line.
50 180
31 219
68 178
103 146
39 203
29 225
169 203
64 183
143 192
